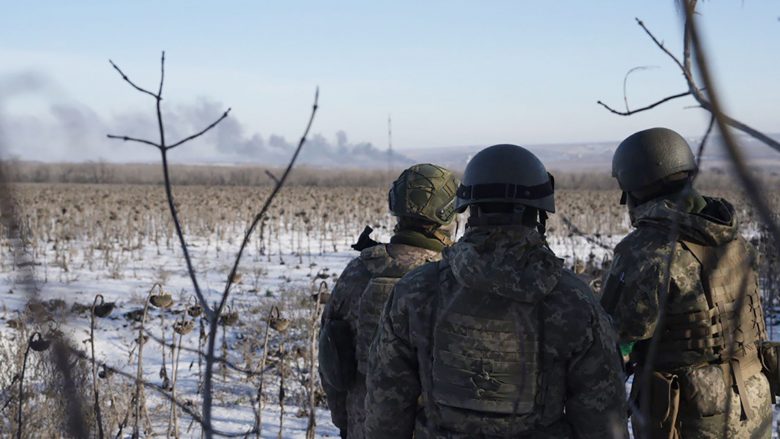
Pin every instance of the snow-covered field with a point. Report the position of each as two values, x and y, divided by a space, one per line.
284 272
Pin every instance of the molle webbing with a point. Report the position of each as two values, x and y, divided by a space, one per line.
370 306
722 332
482 364
726 272
486 363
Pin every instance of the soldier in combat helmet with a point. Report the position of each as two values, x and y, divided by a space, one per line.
706 375
423 200
496 340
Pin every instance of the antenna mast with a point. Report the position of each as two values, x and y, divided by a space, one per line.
390 143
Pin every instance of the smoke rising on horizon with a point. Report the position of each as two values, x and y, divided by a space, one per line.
68 130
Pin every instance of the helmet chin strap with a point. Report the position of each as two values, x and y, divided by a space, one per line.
541 226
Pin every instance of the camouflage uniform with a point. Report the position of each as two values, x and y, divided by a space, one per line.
631 297
354 302
450 359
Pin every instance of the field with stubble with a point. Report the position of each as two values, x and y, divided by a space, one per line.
106 260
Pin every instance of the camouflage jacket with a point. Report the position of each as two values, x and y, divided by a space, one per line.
347 407
632 295
636 277
581 372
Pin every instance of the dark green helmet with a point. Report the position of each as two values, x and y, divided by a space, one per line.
648 157
506 174
425 192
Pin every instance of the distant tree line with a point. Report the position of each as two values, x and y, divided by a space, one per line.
252 175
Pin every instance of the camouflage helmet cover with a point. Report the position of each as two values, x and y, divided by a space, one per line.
647 157
506 174
425 192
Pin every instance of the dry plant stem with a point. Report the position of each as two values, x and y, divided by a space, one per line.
212 314
200 354
214 317
174 419
19 418
164 369
282 359
313 323
140 368
95 394
29 286
263 360
159 389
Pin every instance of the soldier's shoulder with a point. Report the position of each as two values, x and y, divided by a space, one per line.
373 253
643 244
356 271
571 291
355 265
643 236
415 289
572 314
420 278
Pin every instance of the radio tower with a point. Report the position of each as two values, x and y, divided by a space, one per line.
390 145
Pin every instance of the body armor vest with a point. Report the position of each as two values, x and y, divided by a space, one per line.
726 271
486 355
386 271
487 363
726 332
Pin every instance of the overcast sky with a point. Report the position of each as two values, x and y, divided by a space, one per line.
450 72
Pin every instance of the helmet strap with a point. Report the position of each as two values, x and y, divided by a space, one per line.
541 225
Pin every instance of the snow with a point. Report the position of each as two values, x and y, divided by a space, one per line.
284 273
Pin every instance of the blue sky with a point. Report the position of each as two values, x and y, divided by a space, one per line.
449 72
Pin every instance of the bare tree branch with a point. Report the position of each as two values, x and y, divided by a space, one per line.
625 81
220 360
661 46
271 176
202 132
214 318
648 107
693 88
697 92
142 90
751 187
132 139
711 104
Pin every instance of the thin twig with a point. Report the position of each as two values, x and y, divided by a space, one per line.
645 108
735 154
271 176
202 132
142 90
214 318
132 139
697 92
625 81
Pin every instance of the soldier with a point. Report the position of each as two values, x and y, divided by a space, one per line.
423 199
706 359
497 340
